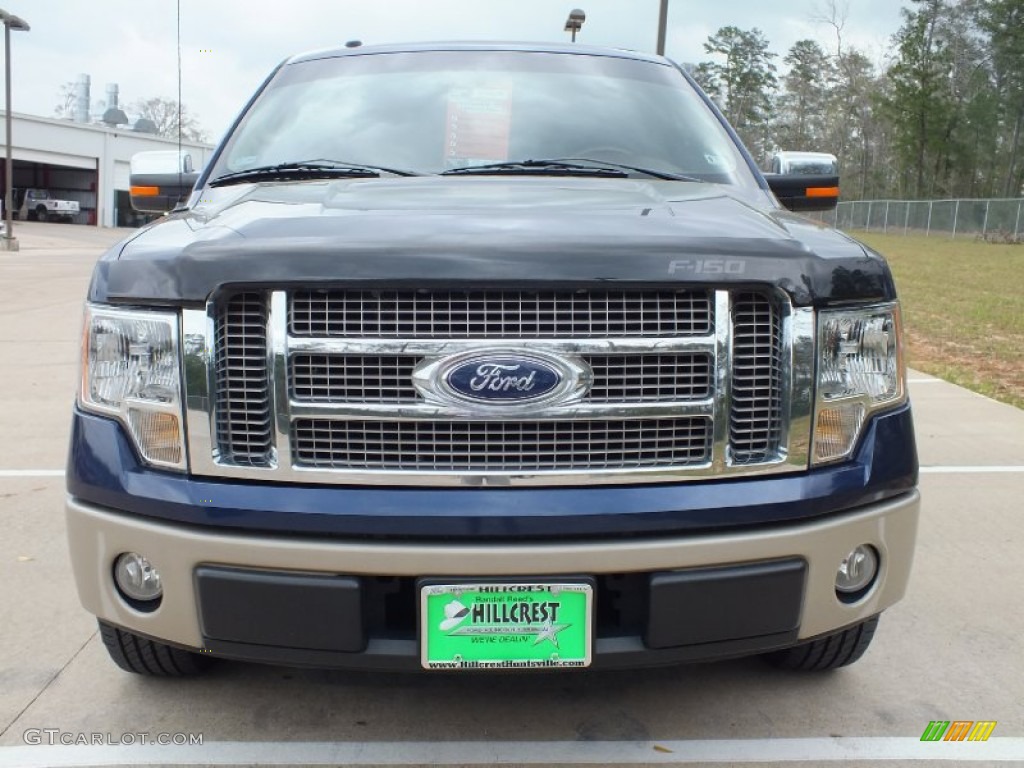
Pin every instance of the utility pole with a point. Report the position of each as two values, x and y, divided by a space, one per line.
662 26
9 20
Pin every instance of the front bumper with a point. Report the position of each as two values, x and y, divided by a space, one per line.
181 552
104 470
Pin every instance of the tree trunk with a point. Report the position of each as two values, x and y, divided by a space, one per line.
1009 191
921 139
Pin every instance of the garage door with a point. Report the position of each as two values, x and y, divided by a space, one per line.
55 158
121 174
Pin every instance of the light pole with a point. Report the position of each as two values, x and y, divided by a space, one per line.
662 26
575 22
10 21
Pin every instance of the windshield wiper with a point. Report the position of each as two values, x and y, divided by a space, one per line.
307 169
567 166
535 168
666 175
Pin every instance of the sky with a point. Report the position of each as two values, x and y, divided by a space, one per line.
228 47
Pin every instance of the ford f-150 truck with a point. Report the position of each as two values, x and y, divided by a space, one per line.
480 356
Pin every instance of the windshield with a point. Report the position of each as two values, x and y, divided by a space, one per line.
430 112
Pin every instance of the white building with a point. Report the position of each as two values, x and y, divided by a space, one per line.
86 162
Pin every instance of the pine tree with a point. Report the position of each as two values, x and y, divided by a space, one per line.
742 81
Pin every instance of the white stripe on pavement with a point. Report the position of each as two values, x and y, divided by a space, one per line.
229 753
969 470
31 473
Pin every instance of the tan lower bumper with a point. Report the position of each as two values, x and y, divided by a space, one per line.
97 536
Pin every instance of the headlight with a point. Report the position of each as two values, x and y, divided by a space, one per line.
131 369
860 371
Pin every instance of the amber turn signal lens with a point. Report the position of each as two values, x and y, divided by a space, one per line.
158 435
823 191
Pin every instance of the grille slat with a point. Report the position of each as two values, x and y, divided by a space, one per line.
243 413
507 446
755 420
649 378
353 378
496 314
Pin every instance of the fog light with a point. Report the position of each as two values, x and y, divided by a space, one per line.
137 578
857 570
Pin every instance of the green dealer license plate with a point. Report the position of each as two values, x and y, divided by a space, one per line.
495 625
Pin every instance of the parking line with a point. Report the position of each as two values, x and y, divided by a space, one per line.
807 750
31 473
970 470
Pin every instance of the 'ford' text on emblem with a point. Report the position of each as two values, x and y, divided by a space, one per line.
486 380
502 379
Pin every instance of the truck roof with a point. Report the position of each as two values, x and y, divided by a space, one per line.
572 48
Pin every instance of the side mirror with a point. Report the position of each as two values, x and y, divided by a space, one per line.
805 192
160 181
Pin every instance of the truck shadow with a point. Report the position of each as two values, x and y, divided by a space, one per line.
729 699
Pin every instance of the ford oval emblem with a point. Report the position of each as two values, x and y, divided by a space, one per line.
502 379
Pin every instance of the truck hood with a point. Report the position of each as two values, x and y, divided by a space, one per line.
485 230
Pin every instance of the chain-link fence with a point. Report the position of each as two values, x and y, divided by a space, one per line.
995 218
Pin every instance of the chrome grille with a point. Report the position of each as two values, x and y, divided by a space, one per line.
755 420
506 446
499 314
388 378
242 406
726 398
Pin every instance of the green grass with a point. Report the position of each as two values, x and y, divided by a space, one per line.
963 309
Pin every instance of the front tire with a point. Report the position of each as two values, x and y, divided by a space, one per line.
142 656
827 652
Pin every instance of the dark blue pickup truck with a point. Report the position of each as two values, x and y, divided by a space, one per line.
471 356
